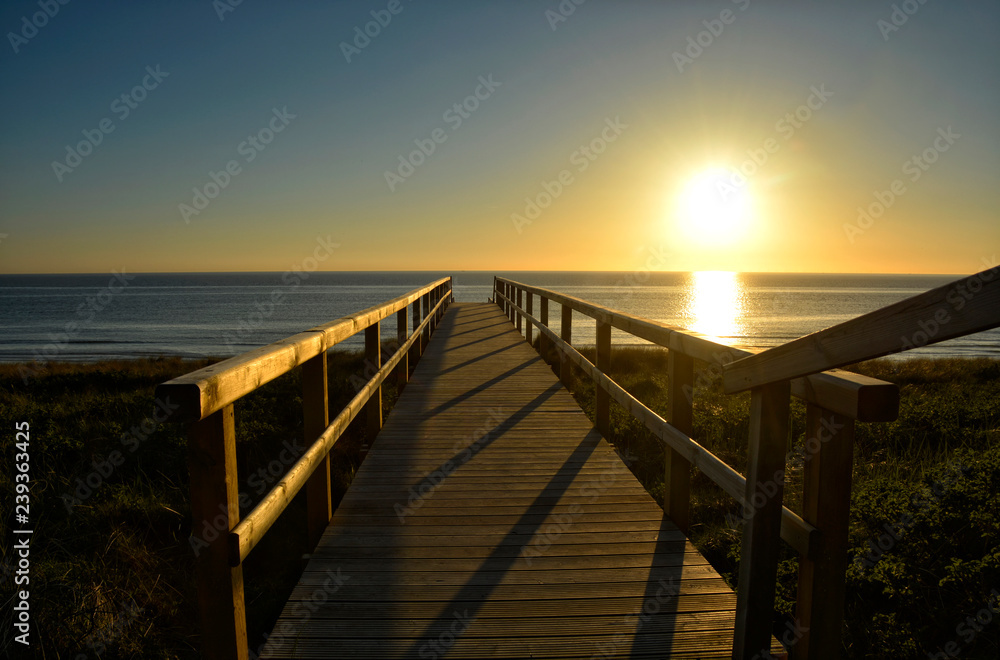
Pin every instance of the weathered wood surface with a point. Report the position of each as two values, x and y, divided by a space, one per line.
202 392
215 497
252 528
799 534
962 307
858 397
490 519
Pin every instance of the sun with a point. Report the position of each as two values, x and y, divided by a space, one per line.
712 208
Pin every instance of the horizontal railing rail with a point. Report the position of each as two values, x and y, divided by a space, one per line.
202 392
853 395
963 307
834 400
251 529
795 531
206 400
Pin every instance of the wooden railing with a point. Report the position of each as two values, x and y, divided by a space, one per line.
834 400
206 398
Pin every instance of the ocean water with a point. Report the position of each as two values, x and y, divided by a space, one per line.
95 317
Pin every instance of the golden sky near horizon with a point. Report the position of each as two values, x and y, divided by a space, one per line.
724 136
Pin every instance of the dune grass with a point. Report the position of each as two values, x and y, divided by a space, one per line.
914 598
112 573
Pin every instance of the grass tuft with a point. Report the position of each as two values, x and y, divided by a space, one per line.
112 568
112 575
945 564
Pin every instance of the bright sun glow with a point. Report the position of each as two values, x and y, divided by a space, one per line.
715 305
711 209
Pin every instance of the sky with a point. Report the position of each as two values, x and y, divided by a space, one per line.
748 136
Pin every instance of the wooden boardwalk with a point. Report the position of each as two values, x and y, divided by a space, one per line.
490 519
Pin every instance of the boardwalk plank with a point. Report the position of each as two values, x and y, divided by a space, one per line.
490 520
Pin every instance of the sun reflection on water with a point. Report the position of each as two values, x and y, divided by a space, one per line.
715 305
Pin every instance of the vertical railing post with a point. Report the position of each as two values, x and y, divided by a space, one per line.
316 417
680 409
566 334
437 299
373 360
527 324
431 301
826 504
403 370
415 350
543 316
769 406
520 305
425 304
602 405
510 306
215 506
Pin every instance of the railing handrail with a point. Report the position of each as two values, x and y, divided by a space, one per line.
794 530
347 326
858 397
248 533
953 310
206 399
207 390
834 401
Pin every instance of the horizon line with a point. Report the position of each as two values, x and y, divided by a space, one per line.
710 270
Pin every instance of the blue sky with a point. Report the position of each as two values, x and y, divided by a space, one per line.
324 174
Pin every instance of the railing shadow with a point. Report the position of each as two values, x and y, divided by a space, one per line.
469 452
519 540
492 325
478 358
482 339
454 401
651 627
656 615
475 593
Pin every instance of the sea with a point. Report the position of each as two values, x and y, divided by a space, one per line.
96 317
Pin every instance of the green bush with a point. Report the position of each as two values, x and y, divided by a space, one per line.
914 599
116 568
112 568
